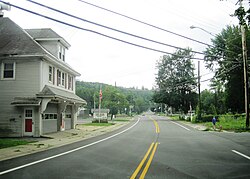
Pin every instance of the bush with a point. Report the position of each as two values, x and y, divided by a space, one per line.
184 118
208 118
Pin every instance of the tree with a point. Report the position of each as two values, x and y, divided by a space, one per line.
226 52
176 81
117 99
114 100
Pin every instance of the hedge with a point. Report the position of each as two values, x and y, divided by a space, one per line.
208 118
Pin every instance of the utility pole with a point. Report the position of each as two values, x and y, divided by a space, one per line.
199 92
244 51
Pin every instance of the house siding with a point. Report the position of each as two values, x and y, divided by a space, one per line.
25 84
45 77
50 46
31 61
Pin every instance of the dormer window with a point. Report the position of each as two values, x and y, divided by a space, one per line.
61 53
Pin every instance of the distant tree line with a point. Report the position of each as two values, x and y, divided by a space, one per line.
119 100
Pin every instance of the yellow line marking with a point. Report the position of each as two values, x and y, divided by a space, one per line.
142 162
144 172
157 129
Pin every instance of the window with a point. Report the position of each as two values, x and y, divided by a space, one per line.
8 70
50 116
50 74
70 78
53 75
28 113
63 79
61 53
66 75
67 115
58 77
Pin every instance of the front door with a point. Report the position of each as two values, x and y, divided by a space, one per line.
28 122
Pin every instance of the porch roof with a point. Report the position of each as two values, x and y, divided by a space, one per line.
51 92
26 101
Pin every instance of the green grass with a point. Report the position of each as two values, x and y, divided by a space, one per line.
230 124
4 143
227 123
122 119
175 117
98 124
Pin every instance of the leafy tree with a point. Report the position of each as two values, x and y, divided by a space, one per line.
212 103
117 99
219 97
176 80
226 52
114 100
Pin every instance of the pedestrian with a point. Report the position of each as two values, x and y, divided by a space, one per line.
214 123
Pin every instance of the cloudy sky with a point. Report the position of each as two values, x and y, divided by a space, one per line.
105 60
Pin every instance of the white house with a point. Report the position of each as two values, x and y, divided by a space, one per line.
37 86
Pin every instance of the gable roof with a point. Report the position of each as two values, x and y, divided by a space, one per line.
15 41
46 34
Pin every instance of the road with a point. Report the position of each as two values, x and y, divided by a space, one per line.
149 147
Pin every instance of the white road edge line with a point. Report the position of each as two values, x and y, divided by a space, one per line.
243 155
181 125
68 152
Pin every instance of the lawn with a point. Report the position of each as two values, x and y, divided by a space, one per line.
122 119
5 142
98 124
230 124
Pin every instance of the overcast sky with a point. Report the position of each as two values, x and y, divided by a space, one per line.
100 59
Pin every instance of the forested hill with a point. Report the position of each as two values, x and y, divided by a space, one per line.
118 99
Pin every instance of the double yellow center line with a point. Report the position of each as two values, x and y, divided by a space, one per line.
152 150
145 170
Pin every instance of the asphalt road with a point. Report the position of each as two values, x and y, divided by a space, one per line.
150 147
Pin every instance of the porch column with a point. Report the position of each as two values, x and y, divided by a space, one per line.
60 118
74 115
37 122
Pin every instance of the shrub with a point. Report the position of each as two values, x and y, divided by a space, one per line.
208 118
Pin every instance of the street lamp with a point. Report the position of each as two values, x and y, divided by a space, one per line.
195 27
4 6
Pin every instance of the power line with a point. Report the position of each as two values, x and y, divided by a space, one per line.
180 84
95 32
154 26
110 28
145 23
77 27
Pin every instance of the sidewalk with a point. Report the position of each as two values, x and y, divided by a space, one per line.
197 126
58 139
